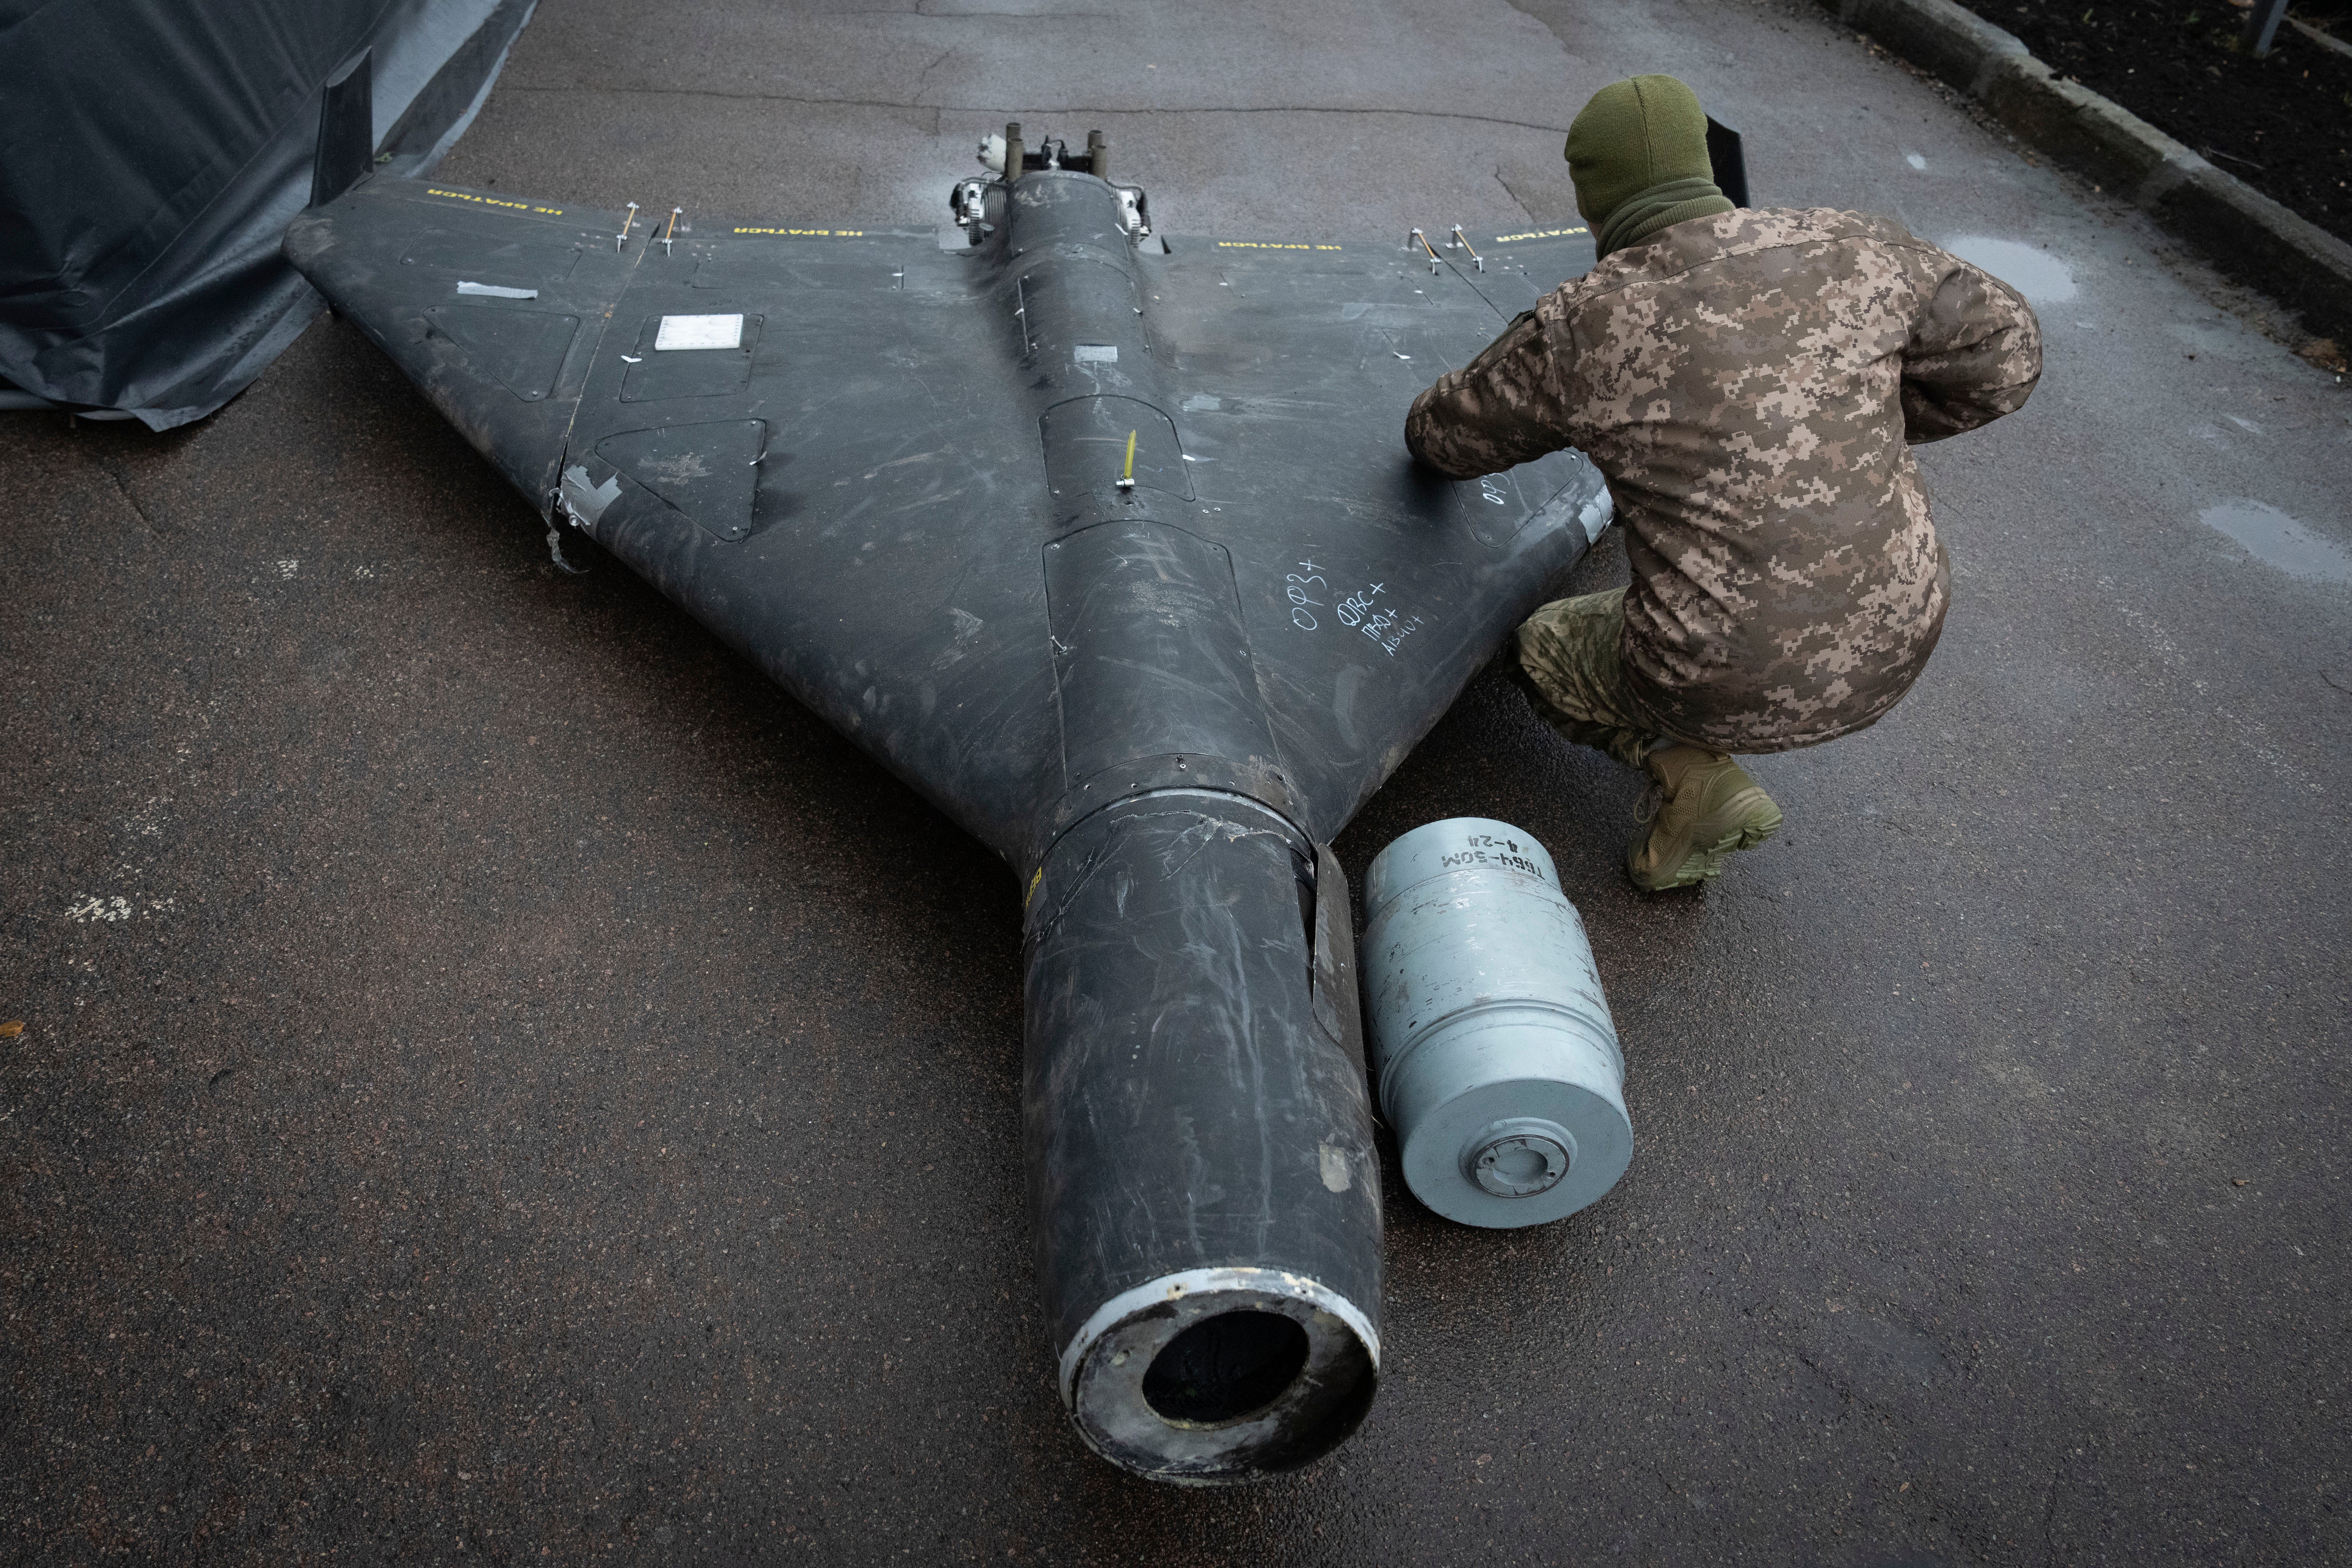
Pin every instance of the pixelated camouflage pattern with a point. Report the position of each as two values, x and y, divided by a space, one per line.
1568 666
1749 383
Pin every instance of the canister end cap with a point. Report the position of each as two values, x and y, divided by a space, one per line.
1520 1157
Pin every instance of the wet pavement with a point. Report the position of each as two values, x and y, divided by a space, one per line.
498 1078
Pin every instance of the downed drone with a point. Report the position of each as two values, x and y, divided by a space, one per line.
1106 542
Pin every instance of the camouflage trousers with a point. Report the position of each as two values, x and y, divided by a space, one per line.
1568 664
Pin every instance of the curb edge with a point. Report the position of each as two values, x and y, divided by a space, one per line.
2245 233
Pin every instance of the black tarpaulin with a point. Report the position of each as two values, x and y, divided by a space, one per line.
152 153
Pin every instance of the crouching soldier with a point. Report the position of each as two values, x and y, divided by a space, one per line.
1749 381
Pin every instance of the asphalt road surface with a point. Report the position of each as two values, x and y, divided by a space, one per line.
500 1080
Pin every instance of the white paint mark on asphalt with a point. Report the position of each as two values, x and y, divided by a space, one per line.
2032 272
88 908
286 569
2275 538
1915 160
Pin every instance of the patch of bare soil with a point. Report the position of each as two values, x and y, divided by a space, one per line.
2281 124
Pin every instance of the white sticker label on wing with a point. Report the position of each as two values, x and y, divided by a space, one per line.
700 332
1097 354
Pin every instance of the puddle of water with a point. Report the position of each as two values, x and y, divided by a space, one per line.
2036 274
2272 537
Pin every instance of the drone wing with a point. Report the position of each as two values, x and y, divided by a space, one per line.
1372 588
863 459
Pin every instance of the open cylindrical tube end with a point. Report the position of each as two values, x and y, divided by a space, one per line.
1218 1375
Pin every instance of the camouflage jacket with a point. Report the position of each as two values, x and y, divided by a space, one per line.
1749 385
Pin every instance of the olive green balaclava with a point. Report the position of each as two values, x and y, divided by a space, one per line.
1638 155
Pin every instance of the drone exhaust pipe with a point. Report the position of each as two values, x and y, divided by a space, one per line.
1203 1191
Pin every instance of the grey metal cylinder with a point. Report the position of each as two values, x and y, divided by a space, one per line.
1496 1058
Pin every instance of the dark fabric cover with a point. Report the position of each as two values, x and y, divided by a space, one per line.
152 153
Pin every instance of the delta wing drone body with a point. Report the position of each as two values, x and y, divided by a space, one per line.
1107 544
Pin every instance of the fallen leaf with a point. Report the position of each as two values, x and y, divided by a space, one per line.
12 1028
2326 353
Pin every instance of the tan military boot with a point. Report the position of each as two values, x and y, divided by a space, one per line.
1701 806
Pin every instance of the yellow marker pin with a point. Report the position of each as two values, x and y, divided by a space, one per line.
1462 240
1126 475
1417 238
